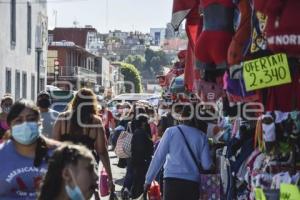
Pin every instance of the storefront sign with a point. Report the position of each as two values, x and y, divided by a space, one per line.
266 72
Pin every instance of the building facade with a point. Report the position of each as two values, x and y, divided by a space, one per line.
23 50
76 66
158 35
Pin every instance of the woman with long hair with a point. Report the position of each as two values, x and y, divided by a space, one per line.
24 156
71 174
81 125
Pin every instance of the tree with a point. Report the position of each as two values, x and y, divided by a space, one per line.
155 60
137 60
131 75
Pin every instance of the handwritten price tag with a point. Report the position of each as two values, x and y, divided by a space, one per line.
266 72
289 192
259 194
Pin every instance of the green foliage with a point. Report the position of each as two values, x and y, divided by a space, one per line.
137 60
155 60
132 75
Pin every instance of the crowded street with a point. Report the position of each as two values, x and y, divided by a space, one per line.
149 100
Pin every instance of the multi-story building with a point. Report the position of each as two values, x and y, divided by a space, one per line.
78 51
23 50
158 35
76 66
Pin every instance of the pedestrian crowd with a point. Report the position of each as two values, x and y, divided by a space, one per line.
48 155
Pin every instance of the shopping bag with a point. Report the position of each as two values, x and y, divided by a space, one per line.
104 185
210 187
154 191
123 147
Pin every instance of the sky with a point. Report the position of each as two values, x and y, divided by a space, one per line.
105 15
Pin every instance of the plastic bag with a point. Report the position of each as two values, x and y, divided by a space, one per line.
104 185
154 191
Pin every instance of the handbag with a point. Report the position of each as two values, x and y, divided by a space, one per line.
103 186
210 184
123 146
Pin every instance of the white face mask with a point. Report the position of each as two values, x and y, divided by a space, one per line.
162 111
269 133
176 116
151 120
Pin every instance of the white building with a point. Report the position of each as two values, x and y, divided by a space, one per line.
23 39
158 35
94 43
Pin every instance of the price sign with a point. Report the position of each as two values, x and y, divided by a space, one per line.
289 192
259 194
266 72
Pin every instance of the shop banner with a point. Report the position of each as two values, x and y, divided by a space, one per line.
266 72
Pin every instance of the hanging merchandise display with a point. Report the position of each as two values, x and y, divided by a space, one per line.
247 57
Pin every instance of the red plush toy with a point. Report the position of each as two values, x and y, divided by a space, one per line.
241 39
283 29
212 44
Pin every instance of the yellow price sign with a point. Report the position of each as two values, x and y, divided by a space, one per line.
259 194
289 192
266 72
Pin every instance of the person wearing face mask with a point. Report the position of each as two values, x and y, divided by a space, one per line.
142 150
24 157
48 115
71 174
80 124
6 103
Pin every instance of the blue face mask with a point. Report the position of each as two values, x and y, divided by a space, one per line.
74 193
26 133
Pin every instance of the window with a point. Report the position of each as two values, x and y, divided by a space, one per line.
17 86
50 38
24 85
13 23
28 27
32 87
8 80
42 84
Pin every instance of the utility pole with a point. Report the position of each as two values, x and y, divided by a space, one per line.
39 52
